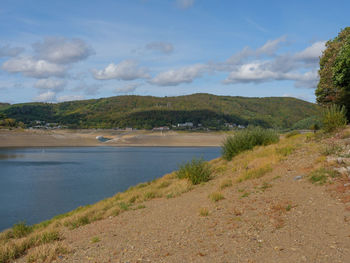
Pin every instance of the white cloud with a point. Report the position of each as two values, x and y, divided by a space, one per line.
271 46
185 3
312 53
163 47
178 76
56 85
8 51
62 50
32 67
125 70
70 98
126 89
48 96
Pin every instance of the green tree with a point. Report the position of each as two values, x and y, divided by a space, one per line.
334 84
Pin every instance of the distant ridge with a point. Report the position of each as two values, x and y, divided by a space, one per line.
147 111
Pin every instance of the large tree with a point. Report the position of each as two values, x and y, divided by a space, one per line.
334 85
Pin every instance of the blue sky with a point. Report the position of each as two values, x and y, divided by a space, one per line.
65 50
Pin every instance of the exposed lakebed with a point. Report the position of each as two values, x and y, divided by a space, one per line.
39 183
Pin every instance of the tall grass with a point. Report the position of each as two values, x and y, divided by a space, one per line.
246 140
334 117
197 171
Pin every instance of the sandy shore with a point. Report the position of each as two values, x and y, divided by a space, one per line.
52 138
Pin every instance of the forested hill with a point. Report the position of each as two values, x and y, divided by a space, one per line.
148 112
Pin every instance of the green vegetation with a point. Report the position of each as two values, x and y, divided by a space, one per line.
320 176
226 183
196 171
334 117
255 173
146 112
334 84
246 140
307 123
95 239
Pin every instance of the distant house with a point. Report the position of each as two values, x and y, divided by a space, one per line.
128 129
186 124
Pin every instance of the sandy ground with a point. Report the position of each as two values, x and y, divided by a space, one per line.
43 138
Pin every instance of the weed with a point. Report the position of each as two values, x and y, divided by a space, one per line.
226 183
124 206
141 207
319 176
164 184
196 171
255 173
246 194
246 140
21 230
265 186
333 118
133 199
95 240
168 196
331 149
80 221
288 207
285 151
150 195
203 211
215 197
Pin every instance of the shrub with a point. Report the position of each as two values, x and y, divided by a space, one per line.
197 171
246 140
21 230
333 118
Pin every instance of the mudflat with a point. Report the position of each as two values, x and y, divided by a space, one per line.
52 138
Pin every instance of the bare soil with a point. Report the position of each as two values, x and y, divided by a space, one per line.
48 138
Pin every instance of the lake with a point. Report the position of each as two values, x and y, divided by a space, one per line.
39 183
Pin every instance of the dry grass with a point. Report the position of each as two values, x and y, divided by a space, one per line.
216 196
46 253
203 211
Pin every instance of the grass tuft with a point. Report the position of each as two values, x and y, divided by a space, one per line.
196 171
215 197
246 140
203 211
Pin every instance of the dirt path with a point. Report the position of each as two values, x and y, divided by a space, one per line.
277 218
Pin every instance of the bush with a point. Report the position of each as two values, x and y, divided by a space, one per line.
21 230
246 140
197 171
333 118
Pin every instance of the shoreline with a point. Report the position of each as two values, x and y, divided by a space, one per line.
87 138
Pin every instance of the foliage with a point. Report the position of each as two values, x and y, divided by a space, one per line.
307 123
320 176
246 140
334 84
197 171
334 117
146 112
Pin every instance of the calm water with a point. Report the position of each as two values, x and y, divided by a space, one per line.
39 183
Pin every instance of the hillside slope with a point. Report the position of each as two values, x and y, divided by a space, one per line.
148 112
286 202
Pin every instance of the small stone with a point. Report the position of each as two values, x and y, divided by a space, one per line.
347 184
296 178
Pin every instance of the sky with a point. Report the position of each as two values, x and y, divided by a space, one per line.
54 51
